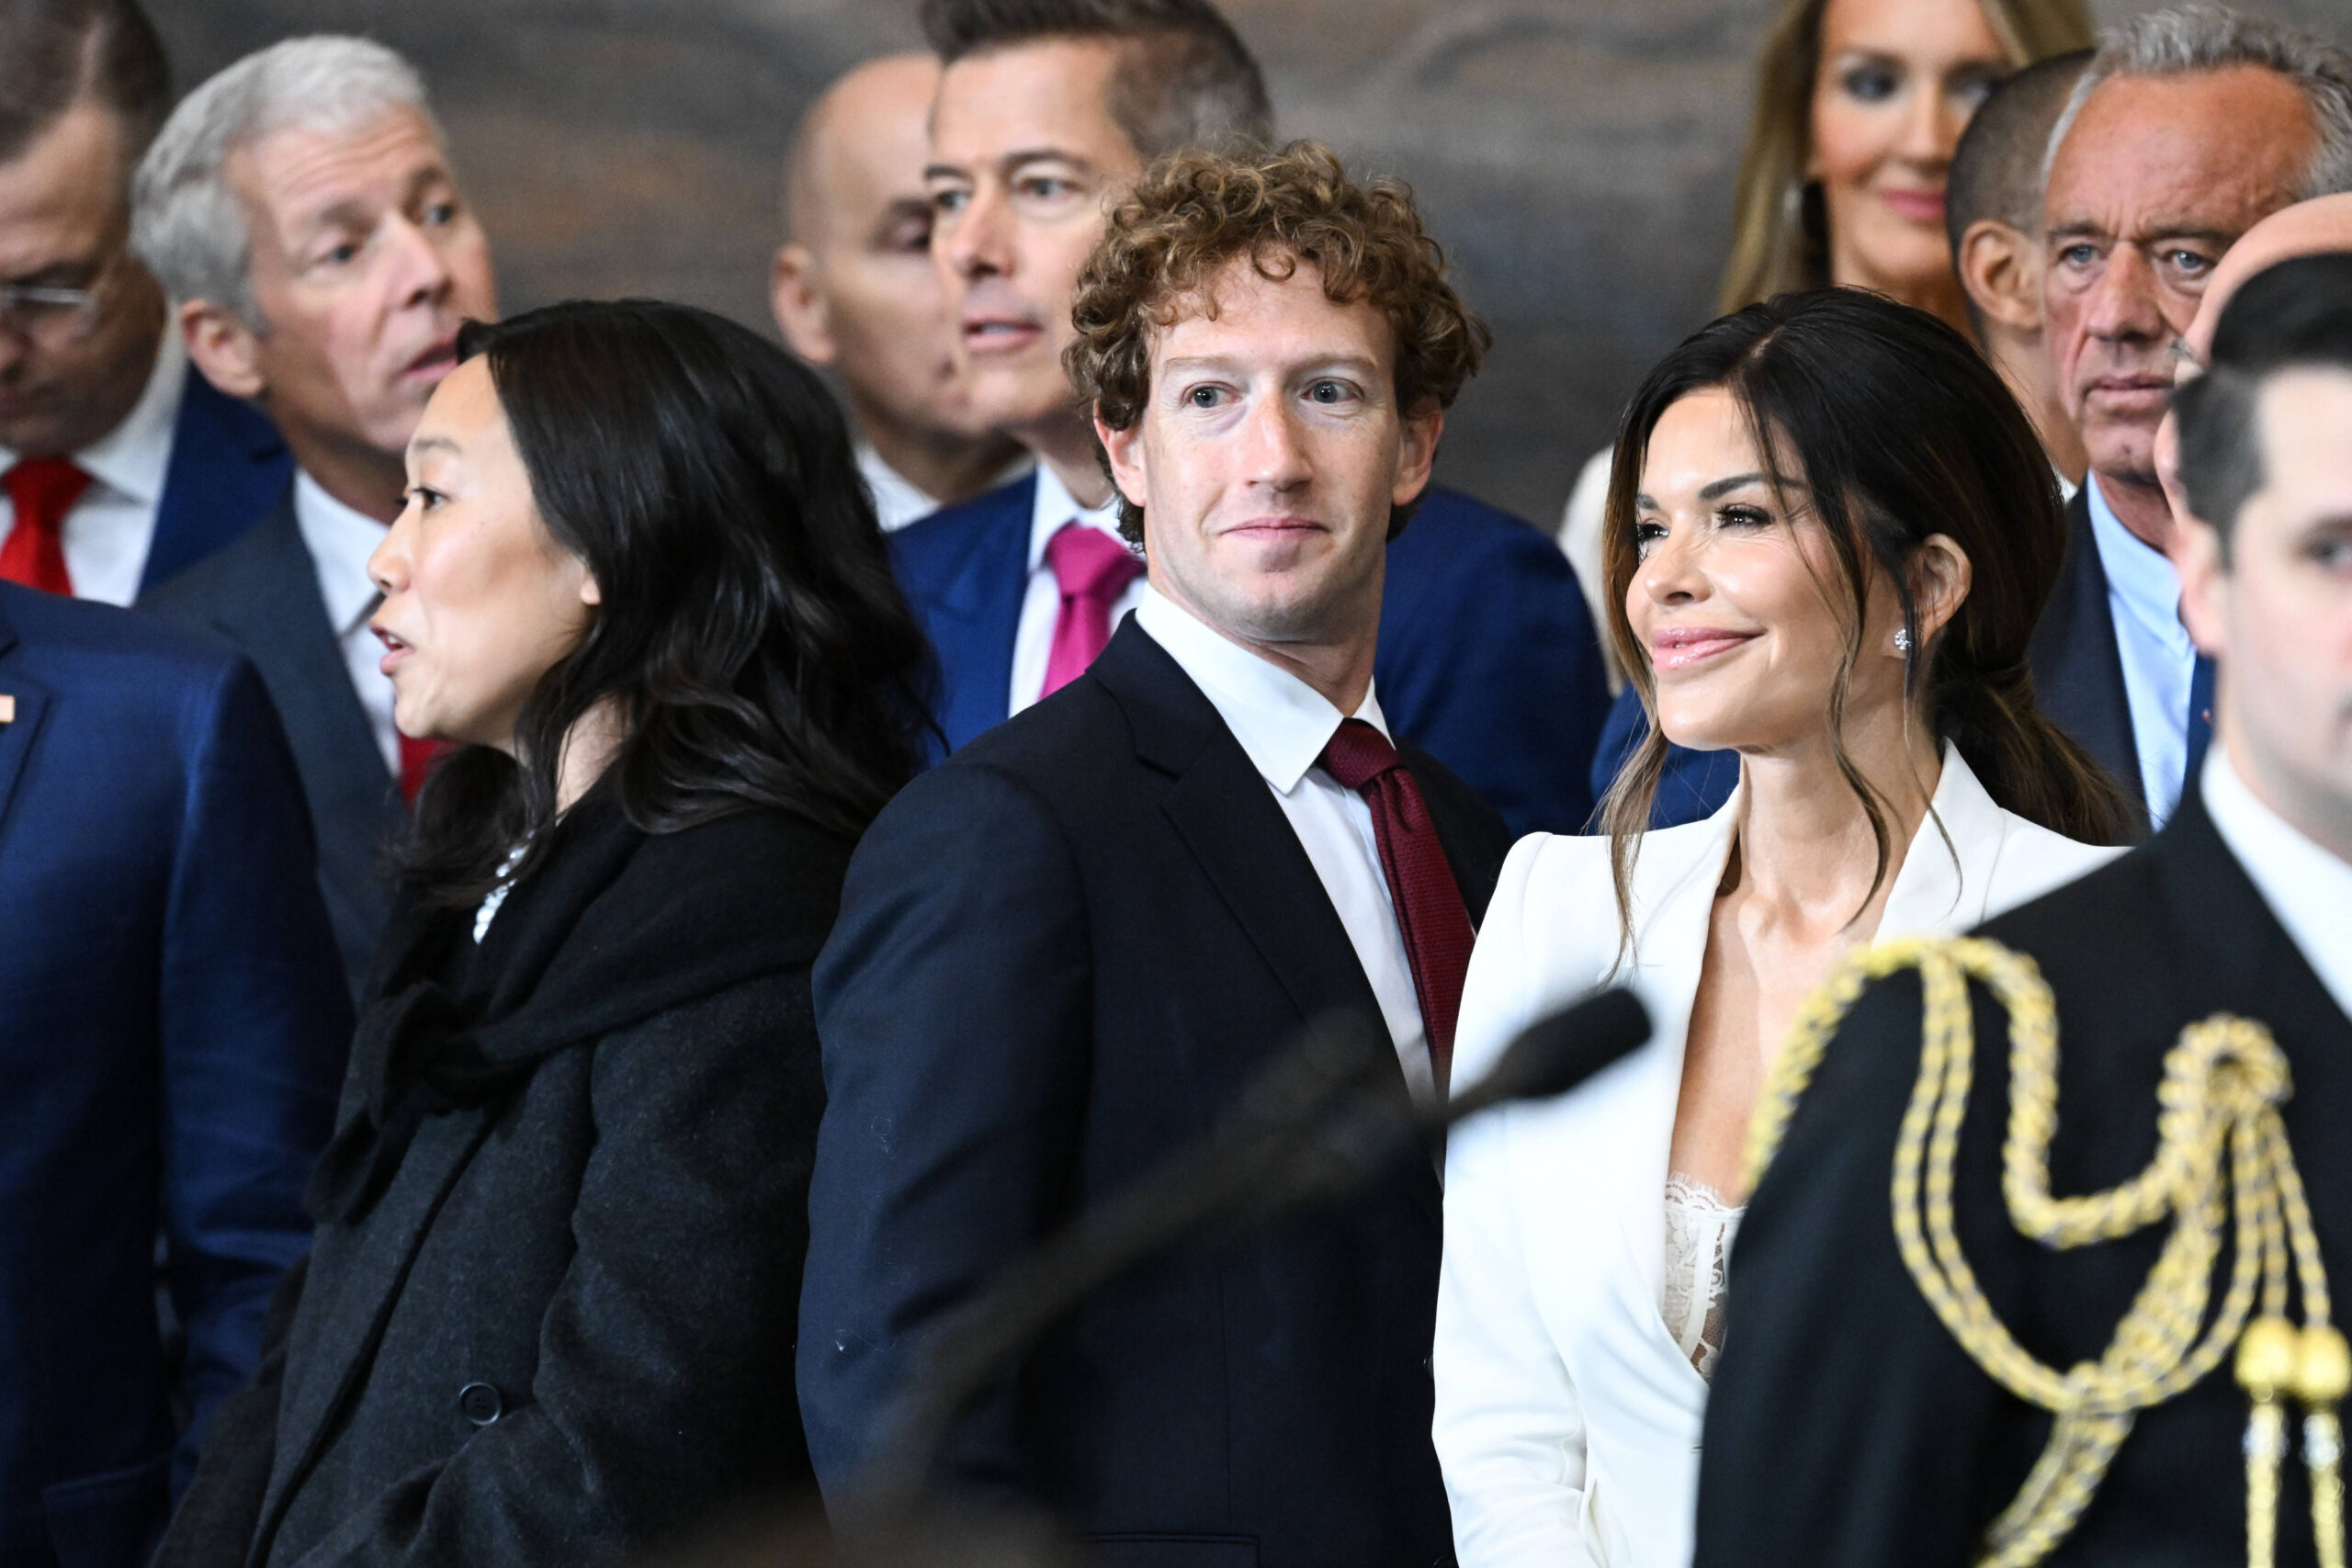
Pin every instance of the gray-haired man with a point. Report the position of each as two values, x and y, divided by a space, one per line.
2188 127
300 208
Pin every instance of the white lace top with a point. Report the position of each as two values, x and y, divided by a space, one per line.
1699 1230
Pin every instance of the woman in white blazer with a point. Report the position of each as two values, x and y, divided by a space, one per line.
1856 627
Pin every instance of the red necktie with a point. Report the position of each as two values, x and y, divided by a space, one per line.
1092 569
417 758
1430 911
43 491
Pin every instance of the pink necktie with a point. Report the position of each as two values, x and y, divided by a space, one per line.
1092 570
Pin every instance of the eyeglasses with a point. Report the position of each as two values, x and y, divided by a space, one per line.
43 308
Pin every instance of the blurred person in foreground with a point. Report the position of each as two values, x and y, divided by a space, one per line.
118 464
1048 110
1850 1425
1858 107
1065 951
173 1025
1830 565
854 291
300 209
2188 127
1994 218
547 1319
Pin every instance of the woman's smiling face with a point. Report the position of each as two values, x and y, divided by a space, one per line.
1738 595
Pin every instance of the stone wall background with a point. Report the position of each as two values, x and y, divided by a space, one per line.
1575 156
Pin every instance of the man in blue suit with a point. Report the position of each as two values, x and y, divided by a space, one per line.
318 143
1487 657
119 464
172 1030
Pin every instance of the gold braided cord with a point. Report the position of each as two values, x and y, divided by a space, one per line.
2223 1171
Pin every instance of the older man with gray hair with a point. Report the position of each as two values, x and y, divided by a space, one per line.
2187 128
300 209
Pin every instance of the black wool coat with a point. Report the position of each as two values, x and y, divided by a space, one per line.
549 1315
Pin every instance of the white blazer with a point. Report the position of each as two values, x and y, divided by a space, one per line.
1567 1418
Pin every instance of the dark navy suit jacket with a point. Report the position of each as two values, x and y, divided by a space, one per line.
261 593
1487 658
172 1031
227 467
2077 678
1061 954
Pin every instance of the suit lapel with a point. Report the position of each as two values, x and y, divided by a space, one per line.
227 463
277 615
2077 669
336 1332
972 611
16 735
1220 807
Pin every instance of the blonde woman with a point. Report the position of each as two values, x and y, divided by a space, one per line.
1860 105
1832 537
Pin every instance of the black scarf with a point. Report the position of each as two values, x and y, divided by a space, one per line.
612 927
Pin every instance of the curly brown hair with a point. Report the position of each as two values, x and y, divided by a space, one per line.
1195 211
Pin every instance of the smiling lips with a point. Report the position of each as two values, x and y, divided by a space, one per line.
437 360
1680 647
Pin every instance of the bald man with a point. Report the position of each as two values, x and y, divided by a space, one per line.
2312 227
1993 217
854 290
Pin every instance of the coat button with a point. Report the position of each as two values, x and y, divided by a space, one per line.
478 1402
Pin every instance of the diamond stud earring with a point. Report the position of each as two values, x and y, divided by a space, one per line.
1903 640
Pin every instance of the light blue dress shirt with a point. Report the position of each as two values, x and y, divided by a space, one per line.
2159 660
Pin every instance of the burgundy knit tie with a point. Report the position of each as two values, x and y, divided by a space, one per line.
1429 910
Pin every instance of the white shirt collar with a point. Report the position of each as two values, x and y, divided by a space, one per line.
2140 573
134 457
1282 722
1056 506
896 500
340 541
2307 889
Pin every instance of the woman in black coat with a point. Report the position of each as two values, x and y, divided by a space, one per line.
549 1315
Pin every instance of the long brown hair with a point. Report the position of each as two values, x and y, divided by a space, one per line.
1897 429
1779 237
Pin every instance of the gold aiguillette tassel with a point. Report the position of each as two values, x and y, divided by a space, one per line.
2323 1374
2267 1358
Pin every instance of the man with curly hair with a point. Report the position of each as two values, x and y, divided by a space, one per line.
1046 112
1063 953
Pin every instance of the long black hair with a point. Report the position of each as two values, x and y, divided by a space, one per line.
1900 431
751 636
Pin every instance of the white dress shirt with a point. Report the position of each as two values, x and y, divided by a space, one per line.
107 532
2159 660
897 501
1568 1418
2309 889
1041 605
340 541
1284 723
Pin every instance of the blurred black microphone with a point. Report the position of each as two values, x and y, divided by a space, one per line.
1322 1121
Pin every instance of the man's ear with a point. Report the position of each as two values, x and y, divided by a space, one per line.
2195 548
225 349
1417 451
1129 471
801 311
1996 264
